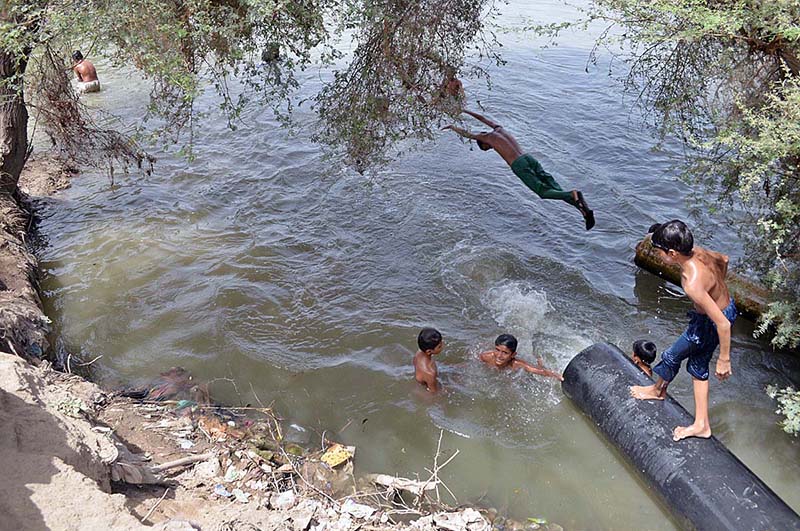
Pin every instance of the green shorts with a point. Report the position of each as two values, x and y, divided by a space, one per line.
542 183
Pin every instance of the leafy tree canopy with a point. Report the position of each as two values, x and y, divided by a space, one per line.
250 51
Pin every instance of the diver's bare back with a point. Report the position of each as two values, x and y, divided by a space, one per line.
711 269
502 142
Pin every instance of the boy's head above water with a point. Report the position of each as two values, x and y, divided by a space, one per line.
645 351
430 341
505 347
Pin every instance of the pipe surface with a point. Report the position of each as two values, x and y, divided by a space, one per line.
700 480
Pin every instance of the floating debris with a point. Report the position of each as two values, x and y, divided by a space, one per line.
402 484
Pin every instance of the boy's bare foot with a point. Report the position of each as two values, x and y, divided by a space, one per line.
683 432
646 392
586 212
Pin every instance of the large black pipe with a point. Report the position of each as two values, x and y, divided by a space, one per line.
702 482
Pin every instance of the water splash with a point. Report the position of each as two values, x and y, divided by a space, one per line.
541 330
519 309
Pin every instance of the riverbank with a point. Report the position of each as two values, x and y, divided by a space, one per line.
129 465
184 464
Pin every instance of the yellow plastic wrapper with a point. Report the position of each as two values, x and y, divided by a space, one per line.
337 454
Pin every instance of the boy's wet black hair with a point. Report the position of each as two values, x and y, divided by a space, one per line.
673 235
77 55
483 145
428 339
645 350
507 340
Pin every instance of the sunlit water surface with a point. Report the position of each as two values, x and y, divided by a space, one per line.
263 263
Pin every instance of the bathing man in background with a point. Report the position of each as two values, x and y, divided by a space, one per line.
87 75
430 344
524 166
505 355
703 279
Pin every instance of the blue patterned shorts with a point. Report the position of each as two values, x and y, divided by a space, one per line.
698 343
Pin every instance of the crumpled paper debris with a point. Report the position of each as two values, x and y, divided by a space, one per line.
357 510
220 490
241 496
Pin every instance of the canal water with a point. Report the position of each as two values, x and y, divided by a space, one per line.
306 283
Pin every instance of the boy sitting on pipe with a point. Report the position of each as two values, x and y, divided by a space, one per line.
703 279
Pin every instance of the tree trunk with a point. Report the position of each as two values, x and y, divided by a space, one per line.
13 122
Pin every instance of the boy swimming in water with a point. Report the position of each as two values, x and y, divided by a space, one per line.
643 355
505 355
430 344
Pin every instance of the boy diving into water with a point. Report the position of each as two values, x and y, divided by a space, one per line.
505 355
524 166
703 279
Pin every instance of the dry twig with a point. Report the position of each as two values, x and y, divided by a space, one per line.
153 508
182 462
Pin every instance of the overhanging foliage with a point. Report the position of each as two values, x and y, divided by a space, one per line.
723 77
250 51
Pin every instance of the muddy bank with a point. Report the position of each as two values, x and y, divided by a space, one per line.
77 457
23 325
56 469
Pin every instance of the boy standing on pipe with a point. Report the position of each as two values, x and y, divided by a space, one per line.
703 279
524 166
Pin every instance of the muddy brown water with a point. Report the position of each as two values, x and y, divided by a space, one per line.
306 284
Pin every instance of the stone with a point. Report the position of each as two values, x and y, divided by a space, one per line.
303 514
343 524
465 520
357 510
284 500
208 469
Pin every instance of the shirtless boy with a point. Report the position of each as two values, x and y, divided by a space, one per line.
430 344
504 356
703 279
524 166
87 74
